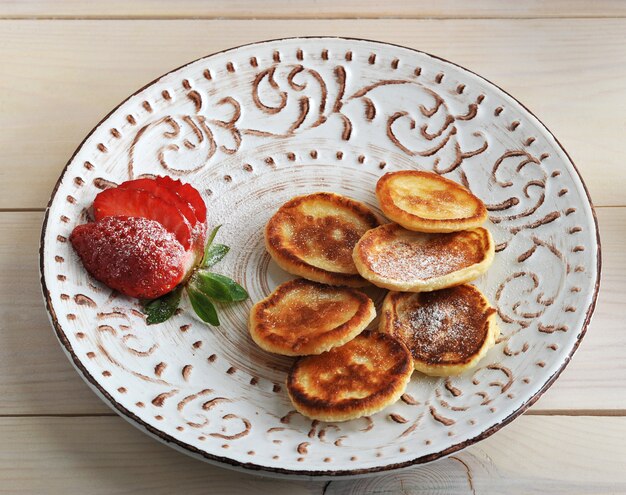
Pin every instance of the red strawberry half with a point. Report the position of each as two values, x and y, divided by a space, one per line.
139 203
136 256
186 192
157 189
148 238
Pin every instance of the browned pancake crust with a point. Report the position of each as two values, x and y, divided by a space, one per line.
319 318
359 378
330 238
450 193
446 327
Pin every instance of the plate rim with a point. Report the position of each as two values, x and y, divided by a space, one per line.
254 468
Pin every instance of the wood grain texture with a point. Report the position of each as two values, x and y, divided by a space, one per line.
533 455
238 9
60 78
580 384
108 456
36 377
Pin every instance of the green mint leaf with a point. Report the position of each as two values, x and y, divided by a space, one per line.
203 306
218 287
209 242
161 309
214 254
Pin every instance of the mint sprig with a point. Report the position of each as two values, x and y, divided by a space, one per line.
203 307
203 288
217 287
161 309
214 254
209 243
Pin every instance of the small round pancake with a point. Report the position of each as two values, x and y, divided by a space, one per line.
402 260
428 202
313 236
447 331
302 317
357 379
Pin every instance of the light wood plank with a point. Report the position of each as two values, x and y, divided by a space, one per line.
589 382
106 455
60 77
36 378
35 375
541 455
238 9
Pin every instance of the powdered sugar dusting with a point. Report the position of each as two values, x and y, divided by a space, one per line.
133 255
412 255
443 326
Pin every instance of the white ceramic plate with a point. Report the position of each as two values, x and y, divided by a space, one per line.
250 128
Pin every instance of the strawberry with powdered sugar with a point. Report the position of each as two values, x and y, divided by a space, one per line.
149 241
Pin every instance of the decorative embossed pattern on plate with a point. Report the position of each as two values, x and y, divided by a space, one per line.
257 125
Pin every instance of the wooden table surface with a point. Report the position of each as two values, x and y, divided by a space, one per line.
64 65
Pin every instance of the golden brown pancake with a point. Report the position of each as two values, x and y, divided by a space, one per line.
447 331
399 259
428 202
356 379
302 317
313 236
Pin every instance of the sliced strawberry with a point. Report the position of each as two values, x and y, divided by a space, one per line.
160 191
133 255
188 193
139 203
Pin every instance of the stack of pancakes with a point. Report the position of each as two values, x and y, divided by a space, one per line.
430 320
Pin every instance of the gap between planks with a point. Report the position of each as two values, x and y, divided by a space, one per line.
61 415
22 210
320 9
41 210
338 17
594 413
577 412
